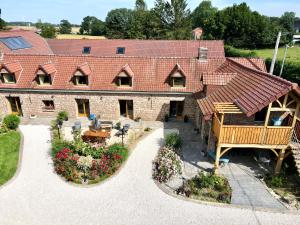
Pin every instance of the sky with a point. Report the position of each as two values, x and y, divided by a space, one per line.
74 10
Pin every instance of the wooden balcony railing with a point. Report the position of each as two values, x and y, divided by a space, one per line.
259 135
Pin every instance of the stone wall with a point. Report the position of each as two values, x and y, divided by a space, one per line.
146 106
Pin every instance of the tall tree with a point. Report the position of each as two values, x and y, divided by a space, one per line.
204 16
65 27
140 5
92 26
287 21
172 19
118 23
48 30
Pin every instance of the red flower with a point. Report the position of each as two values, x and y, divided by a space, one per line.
117 157
63 154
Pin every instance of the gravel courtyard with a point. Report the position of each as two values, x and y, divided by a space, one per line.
38 196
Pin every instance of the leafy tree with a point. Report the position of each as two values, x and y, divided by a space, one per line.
204 16
2 24
172 19
97 28
287 21
48 30
118 23
65 27
140 5
92 26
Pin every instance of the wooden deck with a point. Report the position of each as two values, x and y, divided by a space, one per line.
251 135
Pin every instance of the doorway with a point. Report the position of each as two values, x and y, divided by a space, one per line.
83 107
126 108
15 105
176 109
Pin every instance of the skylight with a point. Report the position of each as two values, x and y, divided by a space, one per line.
120 50
15 43
86 50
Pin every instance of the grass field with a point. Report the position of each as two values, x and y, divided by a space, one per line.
293 54
9 155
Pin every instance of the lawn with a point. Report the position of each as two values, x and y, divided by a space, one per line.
9 155
293 54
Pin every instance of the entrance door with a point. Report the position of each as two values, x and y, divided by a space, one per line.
176 109
83 106
15 105
126 108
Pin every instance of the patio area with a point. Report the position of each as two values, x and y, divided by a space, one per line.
242 171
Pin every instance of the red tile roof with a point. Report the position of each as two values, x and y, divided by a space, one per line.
140 48
127 70
39 44
48 68
217 78
254 63
85 69
12 67
150 74
251 90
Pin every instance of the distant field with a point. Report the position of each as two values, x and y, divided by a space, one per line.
293 54
78 36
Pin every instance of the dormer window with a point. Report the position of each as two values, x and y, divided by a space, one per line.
177 77
120 50
86 50
43 78
177 80
7 77
124 80
80 79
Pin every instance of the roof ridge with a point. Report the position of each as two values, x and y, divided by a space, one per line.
260 72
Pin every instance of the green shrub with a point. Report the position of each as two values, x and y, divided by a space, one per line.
11 121
118 149
62 116
234 52
275 181
58 145
118 126
173 140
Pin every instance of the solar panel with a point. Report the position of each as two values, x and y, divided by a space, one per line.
15 43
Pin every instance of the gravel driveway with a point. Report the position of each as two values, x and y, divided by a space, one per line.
38 196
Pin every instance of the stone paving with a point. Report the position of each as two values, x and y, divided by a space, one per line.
37 196
248 190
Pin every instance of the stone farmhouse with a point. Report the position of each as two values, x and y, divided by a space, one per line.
233 102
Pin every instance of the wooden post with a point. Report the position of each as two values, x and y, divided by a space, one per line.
279 161
218 152
209 136
266 124
296 115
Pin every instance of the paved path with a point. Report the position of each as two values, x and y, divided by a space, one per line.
38 196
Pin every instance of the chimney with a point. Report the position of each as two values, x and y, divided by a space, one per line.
197 33
203 54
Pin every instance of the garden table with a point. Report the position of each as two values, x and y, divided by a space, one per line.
94 136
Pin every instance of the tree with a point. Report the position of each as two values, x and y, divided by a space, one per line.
48 30
287 22
171 20
118 23
65 27
92 26
140 5
39 24
204 16
2 24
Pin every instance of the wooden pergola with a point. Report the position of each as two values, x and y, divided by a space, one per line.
274 138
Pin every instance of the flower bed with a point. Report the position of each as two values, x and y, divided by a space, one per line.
80 162
207 187
167 163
